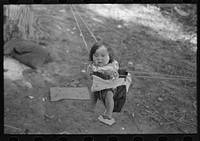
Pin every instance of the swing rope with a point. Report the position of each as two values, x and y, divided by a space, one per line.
85 24
79 29
169 78
166 76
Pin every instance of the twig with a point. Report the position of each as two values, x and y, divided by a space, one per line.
130 115
12 127
168 123
181 129
80 126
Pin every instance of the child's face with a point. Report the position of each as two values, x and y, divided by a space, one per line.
101 57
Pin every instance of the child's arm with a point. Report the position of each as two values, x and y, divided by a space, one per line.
112 69
89 69
114 66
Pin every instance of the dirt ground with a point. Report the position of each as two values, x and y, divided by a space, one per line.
152 43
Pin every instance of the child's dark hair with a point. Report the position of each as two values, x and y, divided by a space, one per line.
96 46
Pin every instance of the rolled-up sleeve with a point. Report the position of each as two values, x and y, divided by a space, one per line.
89 69
115 65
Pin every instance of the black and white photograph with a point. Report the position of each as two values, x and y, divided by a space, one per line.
100 68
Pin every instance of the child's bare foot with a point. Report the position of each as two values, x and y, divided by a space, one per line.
107 117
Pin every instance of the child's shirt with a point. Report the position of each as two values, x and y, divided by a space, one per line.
101 71
101 84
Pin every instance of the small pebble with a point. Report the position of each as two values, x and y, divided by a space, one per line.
27 84
125 24
80 85
63 10
83 71
130 63
59 27
119 26
160 99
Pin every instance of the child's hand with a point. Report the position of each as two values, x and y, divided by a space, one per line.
111 73
89 69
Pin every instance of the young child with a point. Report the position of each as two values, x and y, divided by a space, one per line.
104 66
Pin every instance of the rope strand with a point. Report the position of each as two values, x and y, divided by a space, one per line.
85 24
191 79
12 127
158 74
79 29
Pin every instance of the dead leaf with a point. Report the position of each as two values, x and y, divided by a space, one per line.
160 99
49 116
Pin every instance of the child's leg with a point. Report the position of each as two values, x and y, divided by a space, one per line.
93 102
109 102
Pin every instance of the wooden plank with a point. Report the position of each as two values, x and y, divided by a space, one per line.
59 93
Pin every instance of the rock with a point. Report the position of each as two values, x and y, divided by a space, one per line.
160 99
14 69
125 24
31 97
62 11
27 84
119 26
80 85
130 63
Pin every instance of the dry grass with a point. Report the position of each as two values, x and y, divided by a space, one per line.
148 16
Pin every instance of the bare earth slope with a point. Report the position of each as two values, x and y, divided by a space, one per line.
138 34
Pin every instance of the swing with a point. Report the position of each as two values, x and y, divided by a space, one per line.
122 84
101 84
